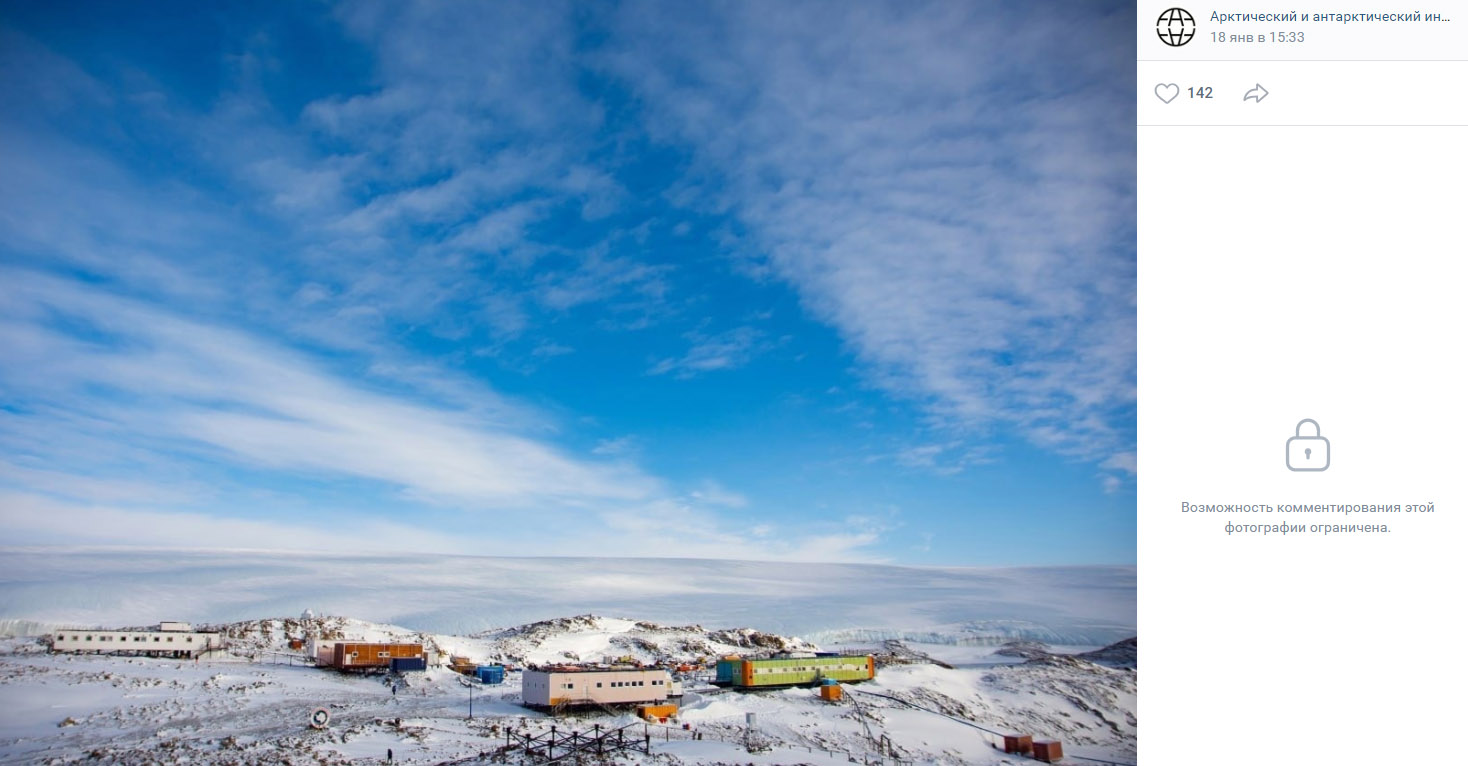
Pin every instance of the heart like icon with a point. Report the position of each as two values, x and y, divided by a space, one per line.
1166 91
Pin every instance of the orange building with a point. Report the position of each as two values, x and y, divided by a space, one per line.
368 656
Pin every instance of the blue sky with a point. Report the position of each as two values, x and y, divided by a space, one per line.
815 281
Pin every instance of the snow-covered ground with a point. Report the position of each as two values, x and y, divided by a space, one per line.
253 709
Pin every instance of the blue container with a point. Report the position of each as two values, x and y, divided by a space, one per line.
400 664
490 674
828 682
727 670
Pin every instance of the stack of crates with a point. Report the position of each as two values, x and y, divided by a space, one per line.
830 690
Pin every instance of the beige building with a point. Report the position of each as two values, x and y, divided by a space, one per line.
324 651
566 687
171 639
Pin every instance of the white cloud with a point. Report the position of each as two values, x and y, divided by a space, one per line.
622 445
682 529
940 185
33 519
721 351
164 377
464 594
89 488
1122 461
597 277
944 459
713 493
115 384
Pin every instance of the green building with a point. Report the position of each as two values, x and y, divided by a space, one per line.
792 671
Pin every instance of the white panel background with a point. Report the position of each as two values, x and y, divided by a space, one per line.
1284 273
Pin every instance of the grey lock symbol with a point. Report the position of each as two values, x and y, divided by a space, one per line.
1307 453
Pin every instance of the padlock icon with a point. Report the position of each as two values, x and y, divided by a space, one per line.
1307 453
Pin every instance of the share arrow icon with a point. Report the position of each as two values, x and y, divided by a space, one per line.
1257 93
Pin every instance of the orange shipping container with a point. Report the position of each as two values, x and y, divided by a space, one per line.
1048 752
1018 743
651 712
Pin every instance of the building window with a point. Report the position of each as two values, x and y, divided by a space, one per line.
598 684
89 638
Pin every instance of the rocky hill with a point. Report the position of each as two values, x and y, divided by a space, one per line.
583 638
590 638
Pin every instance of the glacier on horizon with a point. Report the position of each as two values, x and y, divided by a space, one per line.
42 587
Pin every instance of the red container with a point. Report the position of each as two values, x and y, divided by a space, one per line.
1018 743
1048 752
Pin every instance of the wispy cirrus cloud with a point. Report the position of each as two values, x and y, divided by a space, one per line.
944 459
712 352
113 384
319 284
940 181
202 387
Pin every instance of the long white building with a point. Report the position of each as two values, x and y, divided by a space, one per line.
571 687
169 639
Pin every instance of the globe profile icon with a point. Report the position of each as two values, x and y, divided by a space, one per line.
1176 27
